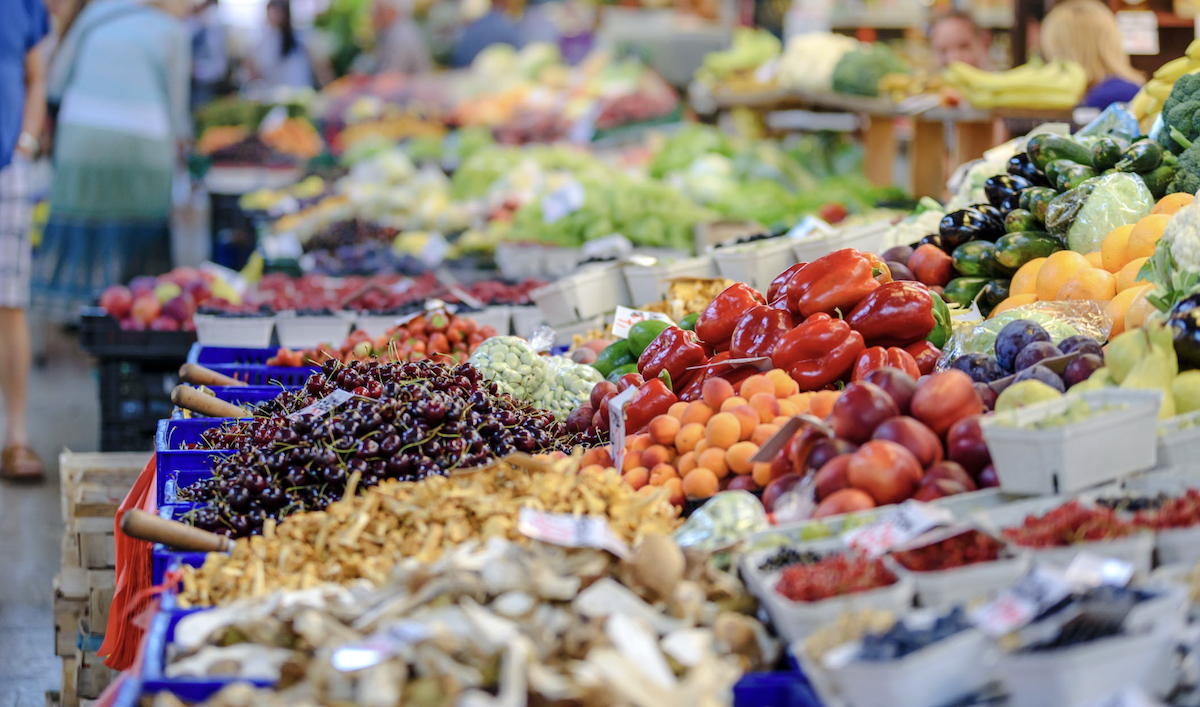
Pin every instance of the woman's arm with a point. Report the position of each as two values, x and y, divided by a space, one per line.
35 97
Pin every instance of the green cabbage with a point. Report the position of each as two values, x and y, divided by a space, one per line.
1085 215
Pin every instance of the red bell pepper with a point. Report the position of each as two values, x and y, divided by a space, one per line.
694 387
926 355
629 380
883 274
759 330
831 284
779 284
818 352
652 399
895 314
780 302
879 357
718 320
673 351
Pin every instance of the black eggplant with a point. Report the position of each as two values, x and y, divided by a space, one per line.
970 224
1010 204
931 239
1021 166
1003 186
1184 320
991 212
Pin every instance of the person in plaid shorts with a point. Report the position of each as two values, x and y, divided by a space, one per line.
22 111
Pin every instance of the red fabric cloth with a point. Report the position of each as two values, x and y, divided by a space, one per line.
133 596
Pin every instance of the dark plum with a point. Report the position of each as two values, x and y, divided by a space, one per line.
979 366
1035 353
1081 369
1082 344
1014 337
987 394
1039 372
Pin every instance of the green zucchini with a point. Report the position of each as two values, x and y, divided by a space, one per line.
962 290
1057 167
1019 220
1072 177
972 258
992 294
1107 152
1016 249
1158 180
1036 200
1044 148
1144 156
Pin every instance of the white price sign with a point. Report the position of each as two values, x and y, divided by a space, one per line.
325 405
616 424
1040 589
570 531
563 202
900 525
625 318
1089 570
1139 32
809 227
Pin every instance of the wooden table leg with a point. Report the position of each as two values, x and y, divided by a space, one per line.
879 142
927 159
973 139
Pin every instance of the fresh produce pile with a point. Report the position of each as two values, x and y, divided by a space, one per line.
422 519
836 575
901 640
550 383
438 335
958 551
407 421
1069 524
167 302
1055 85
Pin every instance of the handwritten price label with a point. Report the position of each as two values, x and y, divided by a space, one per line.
616 424
902 524
1040 589
570 531
325 405
625 318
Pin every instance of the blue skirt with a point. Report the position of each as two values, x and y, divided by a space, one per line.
78 259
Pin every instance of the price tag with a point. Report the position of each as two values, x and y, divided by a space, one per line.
282 246
614 245
325 405
570 531
562 202
434 251
1040 589
625 318
1139 32
273 120
810 227
1088 570
616 424
379 646
287 205
900 525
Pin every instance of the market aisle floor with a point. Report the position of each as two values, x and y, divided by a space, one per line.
64 412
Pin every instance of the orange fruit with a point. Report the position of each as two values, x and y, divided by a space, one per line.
1114 250
1093 283
714 460
755 384
822 403
716 391
1058 268
738 457
1145 235
784 385
1012 302
1025 281
1095 259
701 483
688 436
1119 306
1139 309
1127 276
696 411
1171 203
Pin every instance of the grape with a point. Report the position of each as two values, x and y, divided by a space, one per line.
1034 353
1014 337
981 367
1081 369
1082 344
1041 373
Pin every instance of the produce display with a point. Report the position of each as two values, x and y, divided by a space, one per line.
1069 524
958 551
167 302
833 576
901 640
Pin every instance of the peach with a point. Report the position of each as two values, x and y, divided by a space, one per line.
662 429
713 460
716 391
738 457
724 430
767 405
637 478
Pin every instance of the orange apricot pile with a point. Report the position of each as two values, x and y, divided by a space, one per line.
699 448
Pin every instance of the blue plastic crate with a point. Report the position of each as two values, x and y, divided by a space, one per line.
259 374
241 395
171 461
778 689
163 558
209 355
188 689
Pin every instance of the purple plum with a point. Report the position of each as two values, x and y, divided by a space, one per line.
981 367
1038 372
900 271
1014 337
1035 353
987 395
1082 344
1081 369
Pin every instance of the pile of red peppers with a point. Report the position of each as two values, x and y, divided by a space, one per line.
824 322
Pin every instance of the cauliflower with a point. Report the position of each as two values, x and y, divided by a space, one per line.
809 60
1174 269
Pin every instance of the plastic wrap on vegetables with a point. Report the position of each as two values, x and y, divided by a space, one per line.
1085 215
512 364
1061 319
726 519
567 385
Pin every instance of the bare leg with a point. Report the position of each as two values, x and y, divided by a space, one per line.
15 358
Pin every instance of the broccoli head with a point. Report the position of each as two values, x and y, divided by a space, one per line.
1181 111
1187 171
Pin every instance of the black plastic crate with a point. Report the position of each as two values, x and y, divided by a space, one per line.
134 396
103 337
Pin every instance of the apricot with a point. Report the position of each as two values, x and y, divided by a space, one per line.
696 411
676 410
767 406
738 457
701 483
716 391
688 436
749 418
761 473
713 460
731 403
637 478
756 384
674 489
657 454
638 442
763 432
685 464
661 473
633 459
724 430
784 385
662 429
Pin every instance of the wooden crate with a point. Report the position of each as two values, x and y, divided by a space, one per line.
91 675
68 696
93 486
102 585
97 551
68 613
70 549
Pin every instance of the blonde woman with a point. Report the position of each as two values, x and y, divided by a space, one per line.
1085 32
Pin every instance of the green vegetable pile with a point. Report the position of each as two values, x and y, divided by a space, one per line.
859 71
551 383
